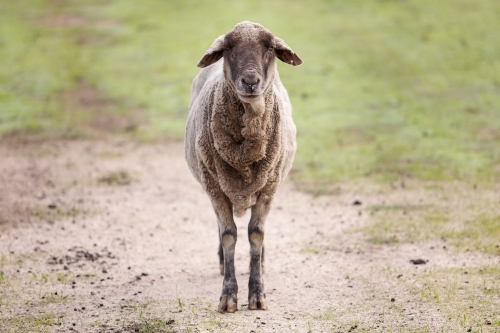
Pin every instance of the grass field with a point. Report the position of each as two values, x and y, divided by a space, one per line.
389 89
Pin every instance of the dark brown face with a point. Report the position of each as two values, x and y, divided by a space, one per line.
249 59
249 51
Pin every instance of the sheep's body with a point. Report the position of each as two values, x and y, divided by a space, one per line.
214 145
240 142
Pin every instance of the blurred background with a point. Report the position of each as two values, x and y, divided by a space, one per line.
388 89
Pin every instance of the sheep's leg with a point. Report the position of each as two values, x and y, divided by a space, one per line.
256 296
227 233
262 266
221 258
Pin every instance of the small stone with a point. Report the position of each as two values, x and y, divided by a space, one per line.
487 322
393 300
418 261
357 203
170 322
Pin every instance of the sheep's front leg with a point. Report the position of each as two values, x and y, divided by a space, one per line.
227 233
256 296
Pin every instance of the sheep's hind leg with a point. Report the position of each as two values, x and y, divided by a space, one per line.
256 296
227 233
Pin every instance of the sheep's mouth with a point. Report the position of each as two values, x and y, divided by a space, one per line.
247 98
249 95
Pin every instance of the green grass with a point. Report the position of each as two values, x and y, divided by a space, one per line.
467 296
150 325
29 323
388 89
464 218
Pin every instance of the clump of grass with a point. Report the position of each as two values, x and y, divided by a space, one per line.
118 178
56 297
54 212
214 324
328 314
151 325
310 248
180 304
42 323
394 224
482 233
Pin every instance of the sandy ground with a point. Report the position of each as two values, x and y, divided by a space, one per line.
116 236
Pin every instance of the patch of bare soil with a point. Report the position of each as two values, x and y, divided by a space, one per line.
87 102
63 20
113 236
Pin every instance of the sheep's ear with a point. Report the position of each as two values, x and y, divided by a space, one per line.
214 53
286 54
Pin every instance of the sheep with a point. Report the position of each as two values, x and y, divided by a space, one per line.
240 142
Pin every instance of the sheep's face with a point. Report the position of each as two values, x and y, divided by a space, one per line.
249 52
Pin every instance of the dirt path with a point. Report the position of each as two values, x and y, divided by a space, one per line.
113 236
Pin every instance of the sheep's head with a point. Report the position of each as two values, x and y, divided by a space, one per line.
249 52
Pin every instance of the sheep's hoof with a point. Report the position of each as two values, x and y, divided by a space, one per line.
228 303
257 301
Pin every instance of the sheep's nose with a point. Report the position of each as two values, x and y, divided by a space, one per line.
250 83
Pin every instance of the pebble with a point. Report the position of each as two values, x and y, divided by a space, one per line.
418 261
